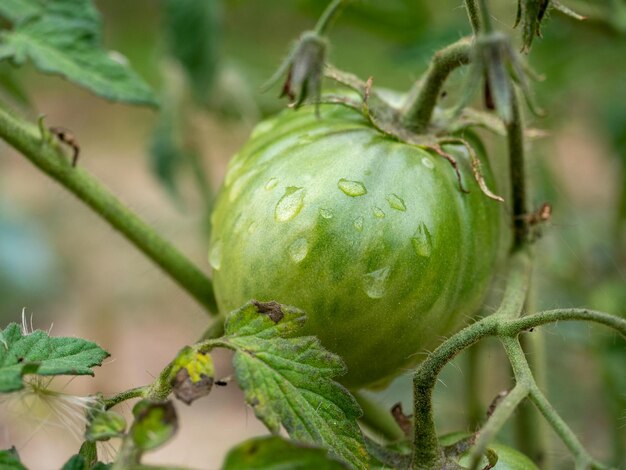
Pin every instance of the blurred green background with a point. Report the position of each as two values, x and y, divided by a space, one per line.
65 266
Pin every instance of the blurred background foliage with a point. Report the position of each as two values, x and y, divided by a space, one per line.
208 59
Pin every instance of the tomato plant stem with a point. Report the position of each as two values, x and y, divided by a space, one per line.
426 452
418 108
378 418
582 458
473 14
331 11
39 148
137 392
517 175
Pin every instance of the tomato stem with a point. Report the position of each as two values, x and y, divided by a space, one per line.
330 13
418 109
42 151
517 174
474 15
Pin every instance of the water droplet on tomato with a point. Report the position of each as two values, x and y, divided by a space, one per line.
352 188
298 250
358 224
271 184
215 255
422 241
395 202
326 213
375 283
428 163
290 204
378 213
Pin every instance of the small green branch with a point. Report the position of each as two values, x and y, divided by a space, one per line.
474 15
330 13
473 385
46 156
378 418
426 453
138 392
502 413
418 109
485 16
582 458
516 326
517 175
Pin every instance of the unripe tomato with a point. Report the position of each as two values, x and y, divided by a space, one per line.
370 236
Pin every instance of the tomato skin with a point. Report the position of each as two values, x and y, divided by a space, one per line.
371 237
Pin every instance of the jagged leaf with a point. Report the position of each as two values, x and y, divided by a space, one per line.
18 10
10 460
39 353
288 380
276 453
65 39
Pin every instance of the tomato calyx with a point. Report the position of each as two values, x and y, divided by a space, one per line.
388 120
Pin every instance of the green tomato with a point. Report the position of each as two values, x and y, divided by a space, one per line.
370 236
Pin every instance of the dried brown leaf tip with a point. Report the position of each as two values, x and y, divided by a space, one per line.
272 309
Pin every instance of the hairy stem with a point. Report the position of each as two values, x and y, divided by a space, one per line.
473 382
516 326
517 175
582 458
35 145
474 15
485 16
137 392
330 13
523 383
418 109
530 428
378 418
500 416
426 453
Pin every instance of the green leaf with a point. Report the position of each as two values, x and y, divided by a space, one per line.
38 353
11 86
288 380
65 39
192 29
276 453
155 424
10 460
18 10
76 462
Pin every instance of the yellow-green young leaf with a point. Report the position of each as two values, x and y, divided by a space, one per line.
38 353
276 453
155 424
192 375
9 460
65 39
288 380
